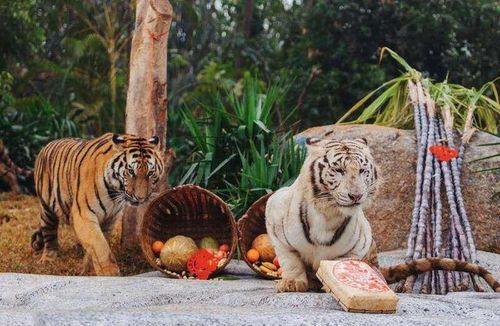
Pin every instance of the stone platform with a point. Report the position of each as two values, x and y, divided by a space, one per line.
151 299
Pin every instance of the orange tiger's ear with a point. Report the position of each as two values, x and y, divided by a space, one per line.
155 140
118 141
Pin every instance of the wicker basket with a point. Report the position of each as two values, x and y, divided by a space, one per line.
250 225
190 211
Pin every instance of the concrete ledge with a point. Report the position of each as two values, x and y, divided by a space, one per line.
150 298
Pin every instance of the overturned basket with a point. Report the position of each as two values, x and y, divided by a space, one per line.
250 225
190 211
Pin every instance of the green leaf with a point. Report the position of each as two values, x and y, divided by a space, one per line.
262 126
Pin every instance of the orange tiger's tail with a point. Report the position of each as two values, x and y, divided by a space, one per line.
399 272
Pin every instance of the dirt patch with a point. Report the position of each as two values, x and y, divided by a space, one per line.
19 218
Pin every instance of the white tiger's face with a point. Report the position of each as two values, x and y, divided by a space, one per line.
341 173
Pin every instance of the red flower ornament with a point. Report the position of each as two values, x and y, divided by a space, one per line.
202 264
443 153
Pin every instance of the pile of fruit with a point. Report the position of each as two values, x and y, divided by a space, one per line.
263 257
181 257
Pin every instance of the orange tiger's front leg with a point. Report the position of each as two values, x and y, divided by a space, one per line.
88 230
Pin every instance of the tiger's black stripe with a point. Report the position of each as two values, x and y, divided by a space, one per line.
339 231
305 222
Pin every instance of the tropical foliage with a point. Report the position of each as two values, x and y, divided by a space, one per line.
27 129
389 105
235 146
312 60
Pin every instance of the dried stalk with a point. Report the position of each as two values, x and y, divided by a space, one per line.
466 136
455 217
461 207
417 97
450 280
456 171
425 238
438 224
426 184
427 252
412 92
419 110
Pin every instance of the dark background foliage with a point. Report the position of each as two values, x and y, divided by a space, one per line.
64 63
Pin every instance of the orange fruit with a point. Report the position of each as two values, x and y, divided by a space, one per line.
157 246
252 255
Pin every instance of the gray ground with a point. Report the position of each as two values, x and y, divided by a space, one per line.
151 299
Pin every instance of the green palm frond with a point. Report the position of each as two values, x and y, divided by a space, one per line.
388 104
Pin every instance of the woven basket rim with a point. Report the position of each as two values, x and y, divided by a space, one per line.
241 229
146 247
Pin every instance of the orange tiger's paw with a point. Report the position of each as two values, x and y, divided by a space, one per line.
87 266
287 285
48 256
110 270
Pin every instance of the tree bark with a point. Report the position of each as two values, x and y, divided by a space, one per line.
146 110
245 30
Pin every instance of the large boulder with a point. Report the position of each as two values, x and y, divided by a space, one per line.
395 153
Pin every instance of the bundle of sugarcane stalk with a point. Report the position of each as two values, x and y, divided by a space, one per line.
434 127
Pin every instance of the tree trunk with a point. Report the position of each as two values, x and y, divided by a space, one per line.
113 59
146 110
245 30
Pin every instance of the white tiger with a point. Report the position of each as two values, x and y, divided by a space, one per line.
320 216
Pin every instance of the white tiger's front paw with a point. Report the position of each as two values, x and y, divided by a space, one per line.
288 285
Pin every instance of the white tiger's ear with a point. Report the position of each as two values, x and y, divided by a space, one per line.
362 140
312 141
314 145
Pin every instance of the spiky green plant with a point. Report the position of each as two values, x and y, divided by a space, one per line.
265 168
235 146
388 104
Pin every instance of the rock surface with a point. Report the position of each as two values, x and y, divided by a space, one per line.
395 153
153 299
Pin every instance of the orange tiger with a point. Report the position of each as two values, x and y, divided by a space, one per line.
86 183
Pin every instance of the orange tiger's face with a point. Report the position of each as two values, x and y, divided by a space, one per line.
138 167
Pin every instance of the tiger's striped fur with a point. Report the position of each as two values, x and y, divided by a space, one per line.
320 217
9 170
87 184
